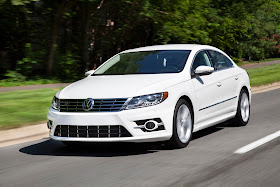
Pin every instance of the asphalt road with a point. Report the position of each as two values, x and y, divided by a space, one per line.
209 160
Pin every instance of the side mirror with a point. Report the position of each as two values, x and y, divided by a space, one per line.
203 70
89 72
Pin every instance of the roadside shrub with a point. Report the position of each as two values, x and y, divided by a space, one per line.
14 76
236 60
26 65
67 66
259 49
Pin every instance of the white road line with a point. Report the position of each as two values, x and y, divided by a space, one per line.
257 143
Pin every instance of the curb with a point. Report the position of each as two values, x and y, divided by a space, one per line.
40 131
260 89
23 134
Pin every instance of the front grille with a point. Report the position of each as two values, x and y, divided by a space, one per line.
111 131
100 105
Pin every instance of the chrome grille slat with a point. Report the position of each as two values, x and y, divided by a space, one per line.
111 104
100 105
96 105
120 101
74 131
95 108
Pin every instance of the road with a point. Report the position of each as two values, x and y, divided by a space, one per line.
209 160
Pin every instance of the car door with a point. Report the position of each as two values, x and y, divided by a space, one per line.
206 87
227 84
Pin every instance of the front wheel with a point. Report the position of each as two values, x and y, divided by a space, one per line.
182 125
243 110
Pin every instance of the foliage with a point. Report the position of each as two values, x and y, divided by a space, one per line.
29 63
67 66
236 60
13 76
64 38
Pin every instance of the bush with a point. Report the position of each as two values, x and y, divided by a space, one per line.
236 60
13 76
32 58
259 49
67 66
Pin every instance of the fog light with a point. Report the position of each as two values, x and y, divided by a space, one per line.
151 125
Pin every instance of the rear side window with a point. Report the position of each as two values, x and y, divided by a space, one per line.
219 60
228 61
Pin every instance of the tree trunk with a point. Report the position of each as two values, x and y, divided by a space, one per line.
54 35
85 37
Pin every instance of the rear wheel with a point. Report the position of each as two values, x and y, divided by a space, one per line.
182 125
243 110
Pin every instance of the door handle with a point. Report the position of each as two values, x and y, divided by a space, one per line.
236 77
219 84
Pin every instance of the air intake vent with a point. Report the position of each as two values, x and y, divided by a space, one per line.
100 105
111 131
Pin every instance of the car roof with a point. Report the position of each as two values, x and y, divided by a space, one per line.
171 47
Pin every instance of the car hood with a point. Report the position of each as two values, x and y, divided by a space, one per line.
118 86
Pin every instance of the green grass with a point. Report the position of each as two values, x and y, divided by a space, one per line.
19 108
264 75
7 82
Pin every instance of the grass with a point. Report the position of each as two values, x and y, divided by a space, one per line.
7 82
20 108
264 75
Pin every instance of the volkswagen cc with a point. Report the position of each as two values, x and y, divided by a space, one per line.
151 94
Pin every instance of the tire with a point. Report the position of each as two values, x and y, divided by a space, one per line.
182 125
243 109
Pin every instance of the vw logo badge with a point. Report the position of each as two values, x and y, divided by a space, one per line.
88 104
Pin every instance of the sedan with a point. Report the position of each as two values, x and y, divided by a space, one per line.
152 94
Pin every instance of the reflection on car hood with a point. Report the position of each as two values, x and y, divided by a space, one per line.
118 86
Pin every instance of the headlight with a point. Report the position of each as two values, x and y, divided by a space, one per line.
146 100
55 103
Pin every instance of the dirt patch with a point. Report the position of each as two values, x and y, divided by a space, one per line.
258 65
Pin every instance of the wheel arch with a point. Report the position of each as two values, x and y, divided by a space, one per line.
247 90
186 98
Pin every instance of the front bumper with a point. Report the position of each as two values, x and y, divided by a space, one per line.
125 118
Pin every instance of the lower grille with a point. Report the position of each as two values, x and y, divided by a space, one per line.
111 131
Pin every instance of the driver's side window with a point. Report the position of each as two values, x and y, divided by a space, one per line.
201 59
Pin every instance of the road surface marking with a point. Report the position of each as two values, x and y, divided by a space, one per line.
257 143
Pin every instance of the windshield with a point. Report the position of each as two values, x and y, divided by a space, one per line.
145 62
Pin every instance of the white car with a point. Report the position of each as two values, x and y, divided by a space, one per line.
150 94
